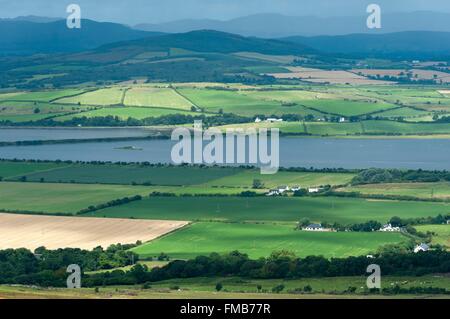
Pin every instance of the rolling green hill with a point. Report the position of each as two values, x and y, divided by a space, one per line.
212 41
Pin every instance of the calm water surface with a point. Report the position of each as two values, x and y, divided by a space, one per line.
294 152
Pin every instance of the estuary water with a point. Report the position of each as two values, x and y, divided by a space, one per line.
429 154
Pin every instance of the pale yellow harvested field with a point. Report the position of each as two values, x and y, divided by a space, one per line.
416 74
325 76
53 232
380 72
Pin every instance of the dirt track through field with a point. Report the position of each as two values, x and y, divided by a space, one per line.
53 232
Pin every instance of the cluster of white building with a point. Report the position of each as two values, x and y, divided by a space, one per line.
280 190
269 120
389 228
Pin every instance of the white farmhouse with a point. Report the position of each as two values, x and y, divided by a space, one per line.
421 248
295 188
273 120
258 120
389 228
283 189
314 189
273 192
314 227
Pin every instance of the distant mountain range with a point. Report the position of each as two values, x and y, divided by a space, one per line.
277 26
30 35
400 44
31 18
22 36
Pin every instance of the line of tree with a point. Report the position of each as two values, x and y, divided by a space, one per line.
48 268
112 203
280 265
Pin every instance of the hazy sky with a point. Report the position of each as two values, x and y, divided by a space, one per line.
154 11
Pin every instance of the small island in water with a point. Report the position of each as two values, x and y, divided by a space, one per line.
129 148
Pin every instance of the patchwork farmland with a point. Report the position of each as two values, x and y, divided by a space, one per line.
314 104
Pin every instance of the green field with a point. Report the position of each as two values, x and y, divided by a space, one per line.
158 97
403 112
26 117
229 102
212 178
19 169
382 127
320 209
370 128
43 96
60 198
104 97
302 179
324 129
261 240
127 174
441 233
347 108
20 108
420 190
125 113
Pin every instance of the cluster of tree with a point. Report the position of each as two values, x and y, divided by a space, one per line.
444 119
48 267
115 202
323 190
397 290
377 175
402 222
368 226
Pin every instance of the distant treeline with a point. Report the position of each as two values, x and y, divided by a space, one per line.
48 268
115 121
203 166
376 176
